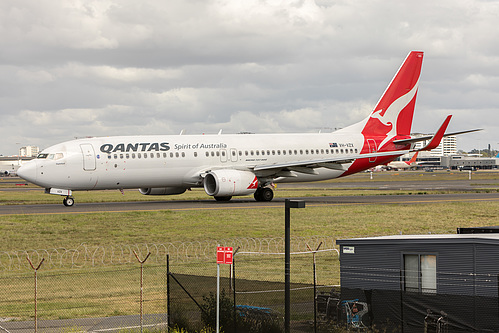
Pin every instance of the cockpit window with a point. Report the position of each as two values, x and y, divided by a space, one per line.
56 156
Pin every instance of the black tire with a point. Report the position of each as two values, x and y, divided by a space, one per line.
266 194
258 194
68 201
226 198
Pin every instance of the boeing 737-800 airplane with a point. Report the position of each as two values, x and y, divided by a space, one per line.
239 164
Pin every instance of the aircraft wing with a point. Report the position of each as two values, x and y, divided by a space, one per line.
335 163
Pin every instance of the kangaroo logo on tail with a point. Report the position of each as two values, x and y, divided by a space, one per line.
392 116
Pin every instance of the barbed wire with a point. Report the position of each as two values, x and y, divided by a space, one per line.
86 255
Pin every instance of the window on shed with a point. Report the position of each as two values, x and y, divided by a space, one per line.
420 273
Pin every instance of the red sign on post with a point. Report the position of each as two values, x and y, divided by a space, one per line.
224 255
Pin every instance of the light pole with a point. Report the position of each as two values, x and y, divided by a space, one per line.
288 204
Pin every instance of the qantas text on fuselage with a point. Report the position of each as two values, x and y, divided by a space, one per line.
237 164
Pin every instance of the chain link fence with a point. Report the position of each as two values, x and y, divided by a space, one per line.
99 288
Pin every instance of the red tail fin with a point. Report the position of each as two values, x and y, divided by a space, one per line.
393 114
413 159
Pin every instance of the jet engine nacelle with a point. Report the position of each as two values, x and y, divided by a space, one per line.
227 182
162 190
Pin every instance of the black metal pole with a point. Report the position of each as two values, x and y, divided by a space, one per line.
287 259
315 298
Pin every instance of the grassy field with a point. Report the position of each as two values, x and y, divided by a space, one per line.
68 230
108 291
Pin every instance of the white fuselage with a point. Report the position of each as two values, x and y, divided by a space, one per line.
180 160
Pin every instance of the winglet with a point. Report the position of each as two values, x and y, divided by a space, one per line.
435 141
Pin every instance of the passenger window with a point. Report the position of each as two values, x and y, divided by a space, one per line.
212 154
171 155
152 155
176 154
207 154
284 152
268 152
356 150
278 152
273 152
158 155
257 152
218 153
252 153
195 154
139 155
127 156
133 155
109 156
311 151
115 156
301 152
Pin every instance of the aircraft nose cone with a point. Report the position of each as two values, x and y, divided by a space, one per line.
27 171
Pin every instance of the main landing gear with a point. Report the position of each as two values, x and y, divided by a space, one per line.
68 201
264 194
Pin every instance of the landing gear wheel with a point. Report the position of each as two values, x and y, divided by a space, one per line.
264 194
267 194
227 198
68 201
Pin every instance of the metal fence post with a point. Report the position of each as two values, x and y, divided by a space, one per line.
36 289
168 323
315 284
141 286
234 286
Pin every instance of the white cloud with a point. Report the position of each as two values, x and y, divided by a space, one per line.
107 67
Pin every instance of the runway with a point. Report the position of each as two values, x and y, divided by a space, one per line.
210 204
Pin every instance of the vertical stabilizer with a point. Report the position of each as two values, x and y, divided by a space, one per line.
392 116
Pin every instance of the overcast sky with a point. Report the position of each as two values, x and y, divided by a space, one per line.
76 68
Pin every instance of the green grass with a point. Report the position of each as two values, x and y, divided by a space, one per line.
69 230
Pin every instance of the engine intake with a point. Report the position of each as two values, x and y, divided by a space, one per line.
228 182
